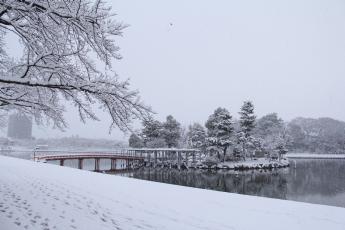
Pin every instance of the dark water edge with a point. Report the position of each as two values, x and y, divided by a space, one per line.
312 181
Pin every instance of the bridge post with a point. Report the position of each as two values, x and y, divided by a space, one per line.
113 165
96 164
62 162
163 157
155 155
178 159
80 163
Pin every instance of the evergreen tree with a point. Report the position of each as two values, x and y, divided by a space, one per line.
196 136
152 129
171 131
135 141
219 130
247 124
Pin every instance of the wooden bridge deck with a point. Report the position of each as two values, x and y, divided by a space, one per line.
87 156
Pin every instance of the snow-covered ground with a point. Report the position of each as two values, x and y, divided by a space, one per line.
42 196
315 156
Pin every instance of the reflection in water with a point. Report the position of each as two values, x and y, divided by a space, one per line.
314 181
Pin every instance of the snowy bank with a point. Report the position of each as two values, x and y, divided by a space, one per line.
43 196
315 156
259 163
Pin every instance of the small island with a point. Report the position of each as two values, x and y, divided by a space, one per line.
223 143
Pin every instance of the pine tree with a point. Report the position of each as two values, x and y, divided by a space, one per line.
220 130
152 129
247 124
171 131
247 118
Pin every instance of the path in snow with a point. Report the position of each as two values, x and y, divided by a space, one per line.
34 203
42 196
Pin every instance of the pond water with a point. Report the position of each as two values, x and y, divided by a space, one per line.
312 181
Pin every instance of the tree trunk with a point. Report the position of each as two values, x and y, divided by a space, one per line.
244 151
224 153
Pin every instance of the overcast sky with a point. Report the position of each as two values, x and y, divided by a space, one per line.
189 57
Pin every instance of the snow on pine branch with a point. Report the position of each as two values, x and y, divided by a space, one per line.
59 37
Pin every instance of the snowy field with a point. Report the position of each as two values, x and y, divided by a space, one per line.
315 156
43 196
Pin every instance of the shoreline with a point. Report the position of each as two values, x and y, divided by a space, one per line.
259 163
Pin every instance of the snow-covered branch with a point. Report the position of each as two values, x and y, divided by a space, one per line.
58 38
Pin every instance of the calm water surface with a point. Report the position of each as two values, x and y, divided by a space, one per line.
313 181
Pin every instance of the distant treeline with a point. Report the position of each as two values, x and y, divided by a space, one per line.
70 143
323 135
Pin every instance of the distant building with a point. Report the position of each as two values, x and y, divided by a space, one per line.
19 127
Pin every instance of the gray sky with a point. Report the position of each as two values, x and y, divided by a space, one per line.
286 56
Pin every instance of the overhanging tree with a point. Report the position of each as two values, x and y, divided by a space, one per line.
59 37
